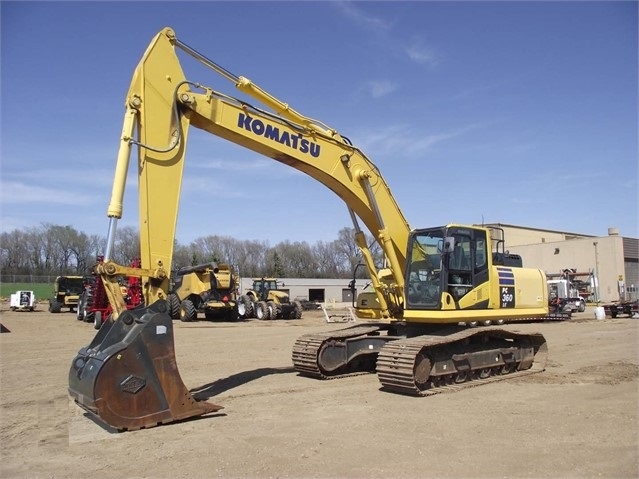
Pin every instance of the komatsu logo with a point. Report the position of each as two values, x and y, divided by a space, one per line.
258 127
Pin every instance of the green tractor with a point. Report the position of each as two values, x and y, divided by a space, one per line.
265 300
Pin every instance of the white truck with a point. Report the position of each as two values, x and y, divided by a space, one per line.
564 296
22 301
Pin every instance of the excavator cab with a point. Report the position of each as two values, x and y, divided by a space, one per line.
448 260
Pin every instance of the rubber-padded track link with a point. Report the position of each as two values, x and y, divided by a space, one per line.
396 361
306 350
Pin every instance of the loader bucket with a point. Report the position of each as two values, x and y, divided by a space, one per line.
128 377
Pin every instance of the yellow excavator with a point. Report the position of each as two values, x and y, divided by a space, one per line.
416 333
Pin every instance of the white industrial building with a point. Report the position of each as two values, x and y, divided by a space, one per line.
610 264
606 267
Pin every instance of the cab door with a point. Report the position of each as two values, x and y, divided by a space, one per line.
465 268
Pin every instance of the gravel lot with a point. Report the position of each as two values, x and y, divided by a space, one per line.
576 419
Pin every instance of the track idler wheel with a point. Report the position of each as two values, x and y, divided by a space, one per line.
128 377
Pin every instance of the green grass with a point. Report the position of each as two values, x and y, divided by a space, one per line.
42 291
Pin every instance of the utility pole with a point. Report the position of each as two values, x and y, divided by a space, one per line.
596 272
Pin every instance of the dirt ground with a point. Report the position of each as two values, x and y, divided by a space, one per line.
576 419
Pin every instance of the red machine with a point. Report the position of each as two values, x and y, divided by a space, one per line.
93 305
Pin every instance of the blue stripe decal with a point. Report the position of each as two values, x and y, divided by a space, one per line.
506 276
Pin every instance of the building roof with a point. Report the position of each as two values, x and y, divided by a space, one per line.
506 225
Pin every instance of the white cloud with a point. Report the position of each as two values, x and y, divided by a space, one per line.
362 18
416 49
422 54
10 223
381 88
63 172
14 192
404 140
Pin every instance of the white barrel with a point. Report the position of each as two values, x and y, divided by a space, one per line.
600 312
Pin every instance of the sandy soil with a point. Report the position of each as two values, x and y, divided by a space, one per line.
576 419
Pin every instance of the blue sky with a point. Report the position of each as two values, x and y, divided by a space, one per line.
515 112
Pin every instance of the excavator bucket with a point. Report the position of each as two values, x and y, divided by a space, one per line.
128 377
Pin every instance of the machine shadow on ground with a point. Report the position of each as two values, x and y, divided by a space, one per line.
215 388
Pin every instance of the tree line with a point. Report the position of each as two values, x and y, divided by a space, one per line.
54 250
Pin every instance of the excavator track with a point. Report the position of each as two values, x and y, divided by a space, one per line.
432 364
307 349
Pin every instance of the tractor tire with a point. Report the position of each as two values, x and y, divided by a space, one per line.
79 313
89 316
188 312
245 307
173 304
273 310
261 311
582 306
97 320
55 306
296 313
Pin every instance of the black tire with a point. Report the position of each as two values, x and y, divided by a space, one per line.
89 316
97 320
55 306
273 310
245 307
187 311
261 311
297 310
173 304
79 312
582 306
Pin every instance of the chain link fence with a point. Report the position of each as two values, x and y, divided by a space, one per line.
26 279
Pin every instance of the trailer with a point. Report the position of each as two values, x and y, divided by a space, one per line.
629 308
